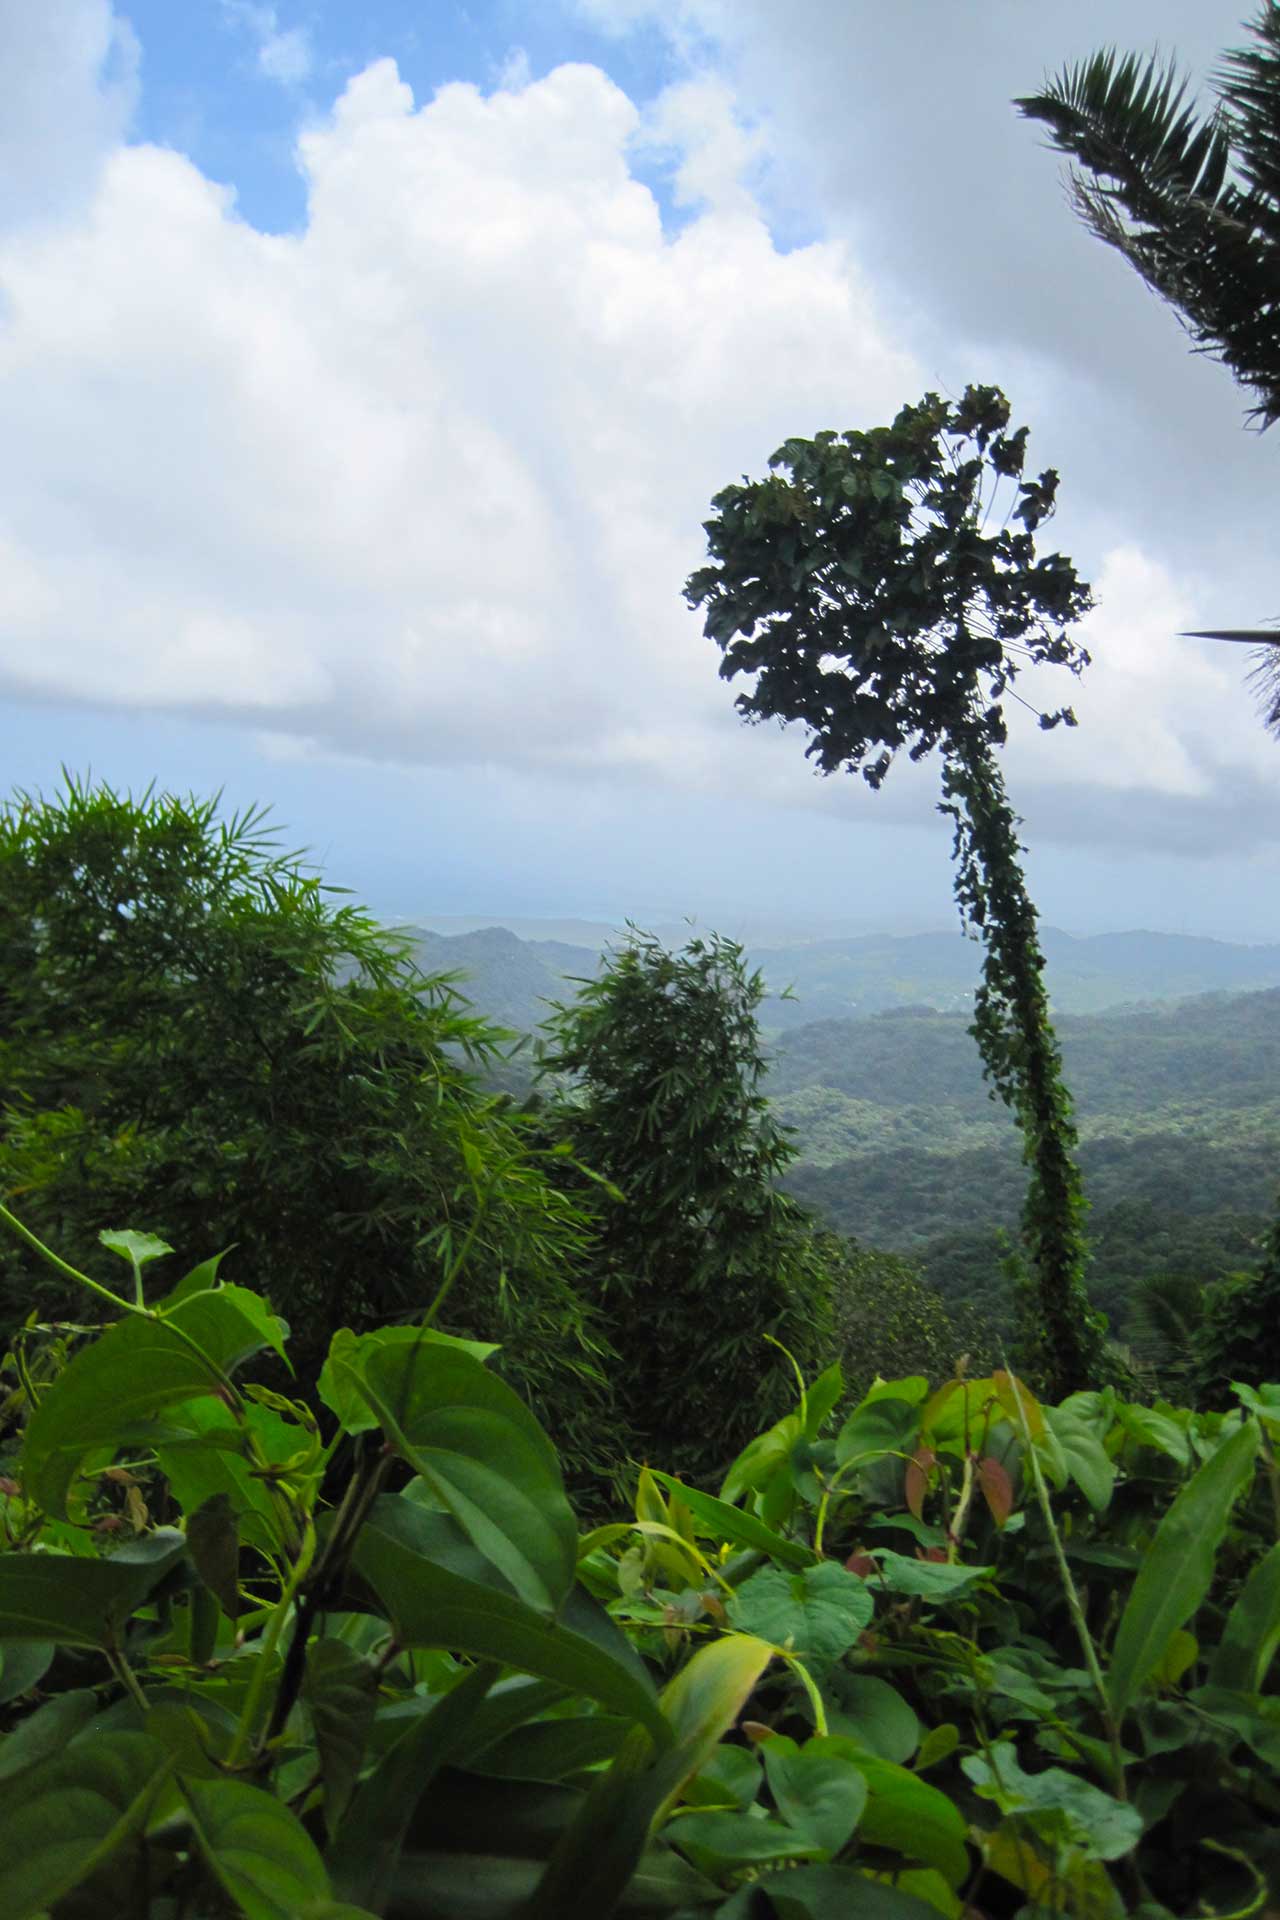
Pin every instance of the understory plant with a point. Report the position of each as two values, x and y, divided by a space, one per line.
945 1650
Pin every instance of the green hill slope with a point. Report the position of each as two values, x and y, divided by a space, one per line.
1179 1113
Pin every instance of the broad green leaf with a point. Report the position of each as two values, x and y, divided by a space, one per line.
22 1664
136 1248
1255 1717
817 1790
1149 1427
720 1521
210 1461
1181 1653
1262 1400
1252 1631
229 1323
817 1613
47 1730
83 1603
908 1815
441 1592
704 1700
828 1893
512 1703
1079 1429
722 1842
762 1458
597 1856
927 1579
957 1405
822 1398
496 1885
880 1425
108 1391
1085 1883
554 1749
874 1714
1018 1403
64 1818
729 1776
938 1744
1061 1804
260 1855
366 1848
213 1541
348 1353
483 1455
195 1732
914 1388
341 1691
1178 1567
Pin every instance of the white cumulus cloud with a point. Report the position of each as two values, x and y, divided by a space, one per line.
422 481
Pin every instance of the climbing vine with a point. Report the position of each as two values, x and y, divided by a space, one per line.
874 590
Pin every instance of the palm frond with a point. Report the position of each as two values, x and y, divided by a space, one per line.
1191 200
1248 85
1264 675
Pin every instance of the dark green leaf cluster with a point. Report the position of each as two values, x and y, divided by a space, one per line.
883 587
922 1649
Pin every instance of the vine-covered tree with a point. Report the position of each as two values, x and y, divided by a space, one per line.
874 592
655 1073
197 1039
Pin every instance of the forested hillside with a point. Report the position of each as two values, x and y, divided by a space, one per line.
902 1145
513 979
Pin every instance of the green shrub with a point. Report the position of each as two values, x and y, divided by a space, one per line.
890 1322
701 1262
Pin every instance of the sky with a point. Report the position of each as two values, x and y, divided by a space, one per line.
366 372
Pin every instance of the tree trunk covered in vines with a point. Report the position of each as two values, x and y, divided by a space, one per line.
1062 1338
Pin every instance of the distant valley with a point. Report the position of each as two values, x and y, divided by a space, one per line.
1173 1063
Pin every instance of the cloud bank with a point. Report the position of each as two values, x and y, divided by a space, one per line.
421 482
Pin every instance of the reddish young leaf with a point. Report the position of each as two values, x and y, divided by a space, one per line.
997 1489
917 1481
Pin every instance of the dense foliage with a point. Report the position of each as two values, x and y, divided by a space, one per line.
860 589
193 1031
658 1066
955 1651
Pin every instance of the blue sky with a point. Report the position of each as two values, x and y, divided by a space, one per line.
369 491
209 91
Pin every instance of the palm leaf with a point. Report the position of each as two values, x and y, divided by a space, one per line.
1264 676
1192 201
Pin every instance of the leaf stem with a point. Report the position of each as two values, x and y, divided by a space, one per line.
59 1265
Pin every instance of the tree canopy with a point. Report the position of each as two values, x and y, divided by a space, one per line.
194 1032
